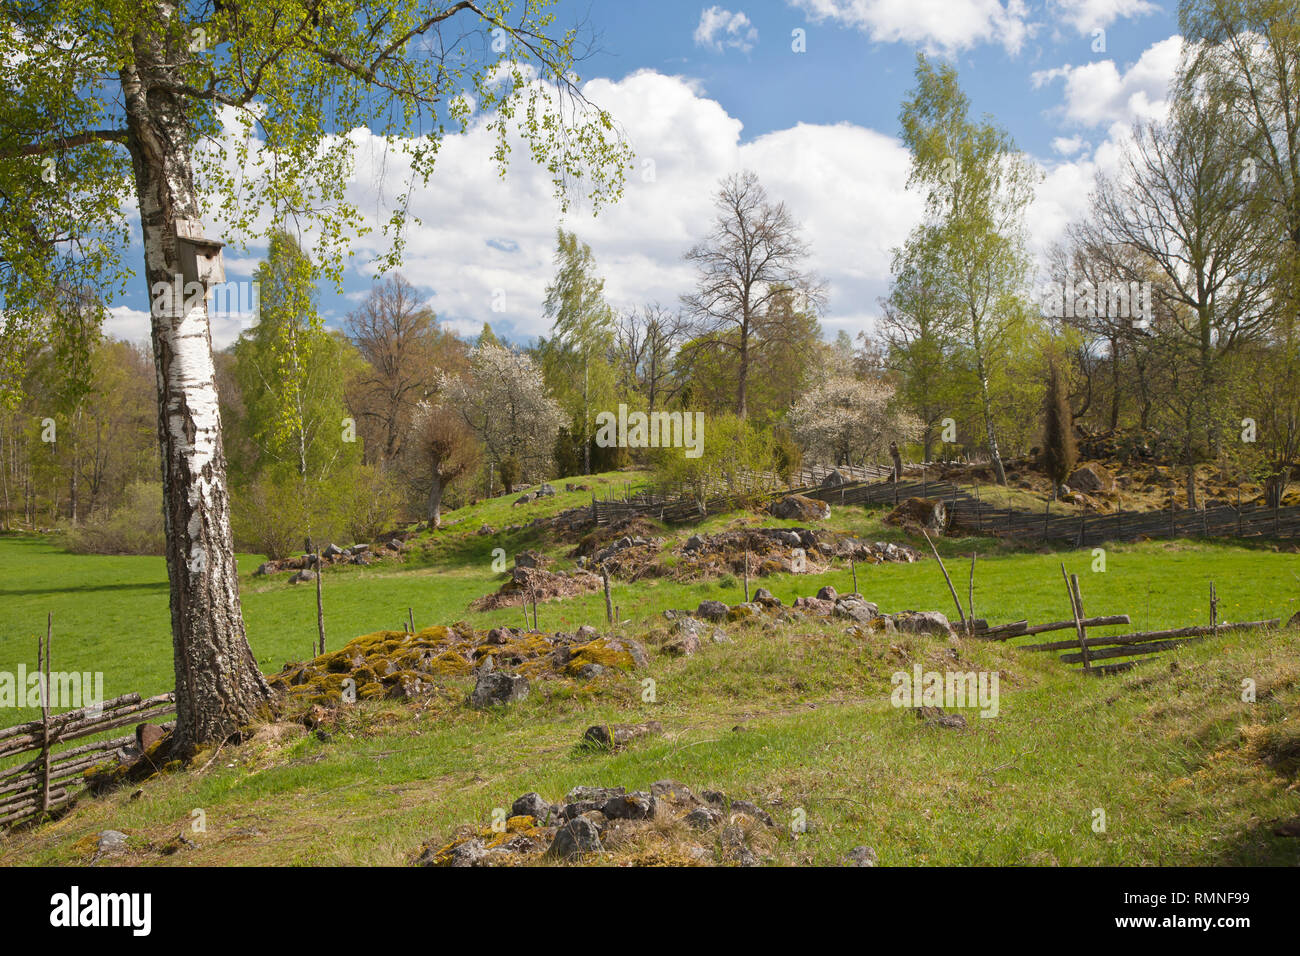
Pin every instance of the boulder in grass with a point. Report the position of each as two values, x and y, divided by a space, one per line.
712 611
801 508
1091 479
860 856
812 605
856 609
498 687
927 513
923 622
576 837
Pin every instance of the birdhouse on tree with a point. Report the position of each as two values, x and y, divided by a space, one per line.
200 257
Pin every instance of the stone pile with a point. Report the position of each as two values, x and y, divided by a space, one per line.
398 665
863 616
666 825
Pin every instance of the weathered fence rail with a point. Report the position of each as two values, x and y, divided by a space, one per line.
49 779
969 514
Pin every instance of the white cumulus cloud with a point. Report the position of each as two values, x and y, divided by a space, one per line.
946 26
722 30
1098 94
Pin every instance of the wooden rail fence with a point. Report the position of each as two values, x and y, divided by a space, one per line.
49 779
969 514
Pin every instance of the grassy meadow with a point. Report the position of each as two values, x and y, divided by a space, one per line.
796 716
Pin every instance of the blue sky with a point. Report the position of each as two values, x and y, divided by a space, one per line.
703 90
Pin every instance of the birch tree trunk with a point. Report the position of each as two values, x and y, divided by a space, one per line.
986 402
218 685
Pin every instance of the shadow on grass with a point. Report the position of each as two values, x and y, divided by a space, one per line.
83 588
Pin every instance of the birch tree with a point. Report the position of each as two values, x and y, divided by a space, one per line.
127 102
977 186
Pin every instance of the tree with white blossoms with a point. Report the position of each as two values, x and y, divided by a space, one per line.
846 420
504 401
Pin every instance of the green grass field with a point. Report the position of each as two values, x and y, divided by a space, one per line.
795 716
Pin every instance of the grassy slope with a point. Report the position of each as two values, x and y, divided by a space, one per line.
1162 752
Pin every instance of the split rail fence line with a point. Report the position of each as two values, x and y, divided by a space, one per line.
49 779
970 514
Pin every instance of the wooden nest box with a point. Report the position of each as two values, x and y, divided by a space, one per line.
200 257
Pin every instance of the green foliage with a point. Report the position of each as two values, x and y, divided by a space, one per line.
735 454
787 456
510 472
969 255
1059 451
290 371
135 526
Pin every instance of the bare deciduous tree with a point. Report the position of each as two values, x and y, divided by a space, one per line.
753 255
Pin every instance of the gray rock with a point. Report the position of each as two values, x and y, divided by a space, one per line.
703 818
631 806
860 856
752 810
332 551
498 687
734 848
693 543
687 641
469 853
936 717
545 491
856 610
827 593
112 841
923 622
303 576
712 610
814 605
531 805
626 645
577 836
671 790
766 598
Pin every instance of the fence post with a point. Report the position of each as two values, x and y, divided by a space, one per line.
43 666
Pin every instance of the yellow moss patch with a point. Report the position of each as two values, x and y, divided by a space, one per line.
597 652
